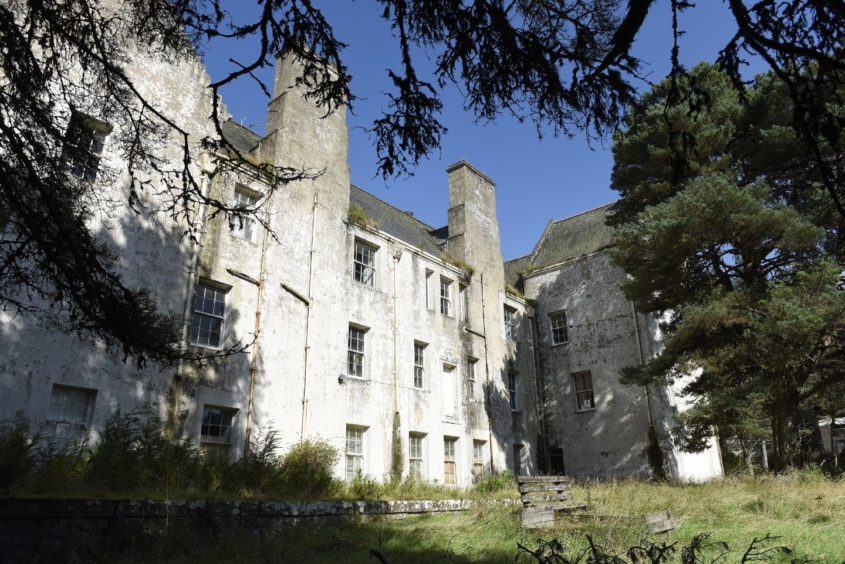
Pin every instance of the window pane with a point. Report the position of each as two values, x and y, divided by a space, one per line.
419 365
217 424
445 297
364 263
207 319
558 323
355 355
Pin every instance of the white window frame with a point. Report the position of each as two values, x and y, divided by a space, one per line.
419 365
555 327
416 455
354 452
585 399
364 272
446 296
450 460
469 375
478 457
511 323
70 411
513 390
214 317
244 227
356 351
221 439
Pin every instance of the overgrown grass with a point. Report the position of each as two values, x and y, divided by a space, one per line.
804 511
133 459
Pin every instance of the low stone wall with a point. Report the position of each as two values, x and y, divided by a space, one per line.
47 529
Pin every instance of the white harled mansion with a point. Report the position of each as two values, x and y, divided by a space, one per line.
371 328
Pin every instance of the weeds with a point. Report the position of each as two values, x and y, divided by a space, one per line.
357 216
133 456
17 455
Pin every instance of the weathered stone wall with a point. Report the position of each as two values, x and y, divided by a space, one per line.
606 335
45 530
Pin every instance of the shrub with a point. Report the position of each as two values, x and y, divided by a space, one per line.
133 453
259 471
365 487
17 455
60 467
495 483
307 467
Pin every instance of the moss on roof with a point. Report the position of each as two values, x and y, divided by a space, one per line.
398 223
564 240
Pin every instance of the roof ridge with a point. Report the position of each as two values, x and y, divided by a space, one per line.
528 255
573 216
242 126
422 223
542 238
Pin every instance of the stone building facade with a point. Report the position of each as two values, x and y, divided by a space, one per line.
398 342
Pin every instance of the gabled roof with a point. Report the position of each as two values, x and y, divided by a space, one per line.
515 267
566 239
242 138
397 223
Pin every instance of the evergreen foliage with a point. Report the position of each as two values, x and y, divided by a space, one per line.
727 231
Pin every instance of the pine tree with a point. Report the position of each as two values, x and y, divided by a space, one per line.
725 228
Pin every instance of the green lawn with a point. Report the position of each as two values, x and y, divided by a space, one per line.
808 514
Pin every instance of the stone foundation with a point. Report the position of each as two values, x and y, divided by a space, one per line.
49 529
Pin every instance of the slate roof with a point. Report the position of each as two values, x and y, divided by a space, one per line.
391 220
242 138
401 225
566 239
514 267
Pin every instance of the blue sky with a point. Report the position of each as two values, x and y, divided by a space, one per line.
537 179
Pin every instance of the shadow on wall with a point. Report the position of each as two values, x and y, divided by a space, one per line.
36 354
606 435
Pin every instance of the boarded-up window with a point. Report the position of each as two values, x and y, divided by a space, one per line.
70 412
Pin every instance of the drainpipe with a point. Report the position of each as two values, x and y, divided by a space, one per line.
487 378
653 429
310 304
396 256
253 361
396 464
540 383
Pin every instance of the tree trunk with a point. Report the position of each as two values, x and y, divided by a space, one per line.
765 455
746 455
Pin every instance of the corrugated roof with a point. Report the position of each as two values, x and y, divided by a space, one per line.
566 239
397 223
